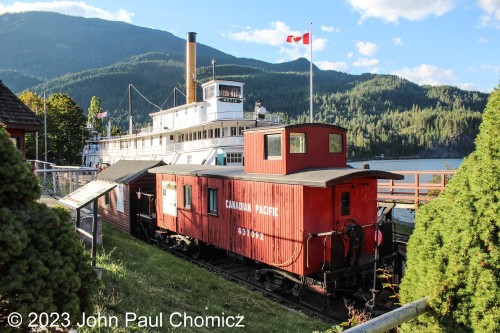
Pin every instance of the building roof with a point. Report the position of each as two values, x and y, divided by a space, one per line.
320 177
125 172
14 114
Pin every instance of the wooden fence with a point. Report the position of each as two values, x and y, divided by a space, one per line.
418 187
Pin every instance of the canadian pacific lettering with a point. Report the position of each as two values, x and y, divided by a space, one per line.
247 207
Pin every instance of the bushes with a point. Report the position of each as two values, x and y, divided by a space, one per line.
42 262
453 254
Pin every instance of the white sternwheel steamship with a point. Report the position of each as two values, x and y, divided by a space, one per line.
209 132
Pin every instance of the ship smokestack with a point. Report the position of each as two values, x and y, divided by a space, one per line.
191 68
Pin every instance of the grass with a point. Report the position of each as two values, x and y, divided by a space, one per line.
147 281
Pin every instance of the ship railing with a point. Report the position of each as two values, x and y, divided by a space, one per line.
186 121
417 187
194 145
58 181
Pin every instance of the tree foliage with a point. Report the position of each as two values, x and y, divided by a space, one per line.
43 265
94 109
454 252
65 127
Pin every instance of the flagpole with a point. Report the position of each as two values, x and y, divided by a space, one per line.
311 76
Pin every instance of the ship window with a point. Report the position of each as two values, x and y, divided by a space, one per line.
217 132
234 158
335 143
211 133
171 137
187 196
212 201
273 146
240 131
297 143
345 203
209 91
199 135
161 137
233 131
229 91
204 134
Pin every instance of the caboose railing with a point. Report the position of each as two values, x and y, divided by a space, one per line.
418 187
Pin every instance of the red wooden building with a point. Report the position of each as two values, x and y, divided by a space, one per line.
120 206
295 185
17 117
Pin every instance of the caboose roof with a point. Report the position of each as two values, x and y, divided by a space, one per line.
321 177
294 126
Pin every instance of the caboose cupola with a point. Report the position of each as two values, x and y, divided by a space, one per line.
288 149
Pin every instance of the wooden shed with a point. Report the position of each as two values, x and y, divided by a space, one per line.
119 206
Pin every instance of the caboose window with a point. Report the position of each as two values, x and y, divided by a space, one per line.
187 196
273 146
297 143
335 143
212 201
345 203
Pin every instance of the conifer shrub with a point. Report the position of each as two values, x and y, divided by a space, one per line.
454 251
42 262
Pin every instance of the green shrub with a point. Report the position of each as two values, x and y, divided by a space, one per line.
453 254
42 262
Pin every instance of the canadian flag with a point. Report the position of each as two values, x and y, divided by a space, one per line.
304 39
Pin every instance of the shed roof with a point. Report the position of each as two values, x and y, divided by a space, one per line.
318 177
14 113
126 171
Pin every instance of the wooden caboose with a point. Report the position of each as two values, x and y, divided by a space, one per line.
294 186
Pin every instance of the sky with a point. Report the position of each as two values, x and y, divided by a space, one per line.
450 42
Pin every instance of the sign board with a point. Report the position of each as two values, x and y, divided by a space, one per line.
119 199
169 196
87 193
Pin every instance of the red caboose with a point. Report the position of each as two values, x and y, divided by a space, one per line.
295 205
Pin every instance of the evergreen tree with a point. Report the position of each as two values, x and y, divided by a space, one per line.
454 252
42 262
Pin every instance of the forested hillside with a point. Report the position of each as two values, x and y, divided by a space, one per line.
89 57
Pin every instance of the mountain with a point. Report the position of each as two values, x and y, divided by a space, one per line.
48 45
92 57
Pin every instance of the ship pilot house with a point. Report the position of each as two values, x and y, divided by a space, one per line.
294 188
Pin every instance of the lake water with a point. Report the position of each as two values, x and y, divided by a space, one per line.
410 165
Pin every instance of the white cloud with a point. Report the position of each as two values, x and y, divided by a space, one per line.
330 65
397 41
366 48
492 16
69 8
370 64
393 10
276 35
329 29
427 74
350 55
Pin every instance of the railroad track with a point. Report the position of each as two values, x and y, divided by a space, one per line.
238 270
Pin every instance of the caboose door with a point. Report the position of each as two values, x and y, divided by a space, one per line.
343 210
